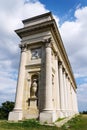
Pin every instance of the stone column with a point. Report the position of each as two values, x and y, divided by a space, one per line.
21 76
17 112
71 109
47 114
68 96
67 89
61 88
76 106
48 86
66 76
57 86
73 101
65 92
70 99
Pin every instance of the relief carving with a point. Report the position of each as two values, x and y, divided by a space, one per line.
36 53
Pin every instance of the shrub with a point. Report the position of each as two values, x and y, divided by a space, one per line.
5 108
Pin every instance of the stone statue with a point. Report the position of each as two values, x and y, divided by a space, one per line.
34 88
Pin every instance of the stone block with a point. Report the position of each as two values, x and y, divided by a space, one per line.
48 117
15 116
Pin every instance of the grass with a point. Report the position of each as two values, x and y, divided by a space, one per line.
77 123
60 119
25 125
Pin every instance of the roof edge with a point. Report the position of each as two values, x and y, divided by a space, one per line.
36 17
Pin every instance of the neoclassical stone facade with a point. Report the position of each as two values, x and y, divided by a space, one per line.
46 87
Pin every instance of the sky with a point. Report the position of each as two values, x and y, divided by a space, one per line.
71 18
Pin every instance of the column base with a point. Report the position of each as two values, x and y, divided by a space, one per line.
15 116
63 114
58 111
67 114
48 117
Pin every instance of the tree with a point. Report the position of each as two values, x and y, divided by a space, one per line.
84 112
5 108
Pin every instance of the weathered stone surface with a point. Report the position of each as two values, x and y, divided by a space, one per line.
46 88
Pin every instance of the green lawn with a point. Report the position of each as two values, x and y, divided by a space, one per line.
25 125
77 123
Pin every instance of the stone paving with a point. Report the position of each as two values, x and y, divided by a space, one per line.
62 122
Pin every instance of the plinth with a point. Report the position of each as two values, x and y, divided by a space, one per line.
33 111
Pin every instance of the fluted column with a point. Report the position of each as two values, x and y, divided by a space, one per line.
66 78
48 81
70 98
21 76
73 101
65 91
48 114
61 86
17 113
76 106
74 93
57 84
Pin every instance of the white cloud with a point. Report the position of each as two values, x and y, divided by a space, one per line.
7 85
11 14
82 87
73 34
82 96
32 9
75 41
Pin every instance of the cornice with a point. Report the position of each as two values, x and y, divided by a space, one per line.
32 29
37 17
58 36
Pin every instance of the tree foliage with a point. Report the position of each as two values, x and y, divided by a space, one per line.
5 108
84 112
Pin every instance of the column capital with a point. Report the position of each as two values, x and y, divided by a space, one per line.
56 53
66 75
64 70
48 42
23 46
60 63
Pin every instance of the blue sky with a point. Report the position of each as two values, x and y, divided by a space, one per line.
71 18
61 7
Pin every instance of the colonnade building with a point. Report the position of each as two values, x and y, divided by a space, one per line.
46 88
